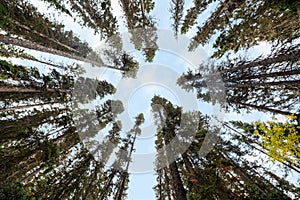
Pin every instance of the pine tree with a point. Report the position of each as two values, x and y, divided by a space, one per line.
240 24
218 175
33 150
10 51
132 134
167 132
267 84
50 37
96 15
177 14
192 14
116 56
87 89
141 26
52 163
30 80
23 19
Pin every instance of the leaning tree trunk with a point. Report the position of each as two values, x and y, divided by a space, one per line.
263 108
31 45
44 36
291 56
31 90
6 53
263 76
294 83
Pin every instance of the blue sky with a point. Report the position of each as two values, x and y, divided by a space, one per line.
170 57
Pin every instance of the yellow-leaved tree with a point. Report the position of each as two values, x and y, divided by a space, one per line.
280 139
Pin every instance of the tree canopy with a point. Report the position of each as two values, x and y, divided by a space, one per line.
69 131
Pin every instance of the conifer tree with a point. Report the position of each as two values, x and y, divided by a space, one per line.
177 14
242 24
22 19
141 26
124 176
267 84
96 15
218 175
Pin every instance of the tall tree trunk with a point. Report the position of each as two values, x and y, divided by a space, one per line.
295 83
30 90
125 175
10 54
188 164
92 181
273 74
31 45
291 56
45 36
263 108
180 193
167 186
22 107
160 189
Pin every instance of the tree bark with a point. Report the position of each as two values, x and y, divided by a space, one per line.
108 184
10 54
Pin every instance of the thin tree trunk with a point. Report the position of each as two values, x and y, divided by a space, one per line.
263 108
91 182
167 186
9 54
45 36
188 164
295 83
19 89
125 173
124 177
292 56
273 74
31 45
160 197
30 90
180 193
22 107
142 4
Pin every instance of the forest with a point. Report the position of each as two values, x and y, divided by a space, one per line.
76 108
